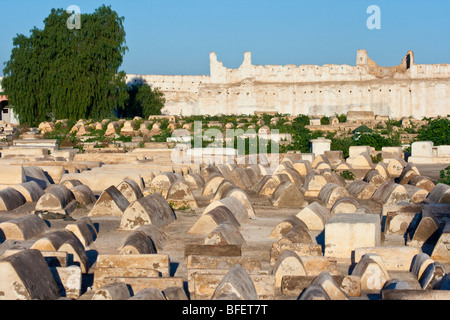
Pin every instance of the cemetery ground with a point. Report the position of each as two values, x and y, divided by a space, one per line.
132 224
256 232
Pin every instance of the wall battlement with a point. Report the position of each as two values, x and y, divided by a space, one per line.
365 69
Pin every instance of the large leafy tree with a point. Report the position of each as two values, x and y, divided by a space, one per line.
62 73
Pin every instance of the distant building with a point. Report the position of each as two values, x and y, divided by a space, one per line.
6 111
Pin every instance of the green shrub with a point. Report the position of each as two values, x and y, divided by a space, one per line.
301 121
445 176
164 124
96 139
376 159
162 137
343 144
437 130
394 123
324 121
124 138
347 175
137 124
342 118
378 141
267 118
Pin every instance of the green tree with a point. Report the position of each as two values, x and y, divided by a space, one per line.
144 101
377 141
343 144
300 121
301 135
61 73
437 130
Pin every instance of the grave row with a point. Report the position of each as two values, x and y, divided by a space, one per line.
299 266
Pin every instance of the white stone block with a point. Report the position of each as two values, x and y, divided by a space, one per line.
320 145
346 232
443 151
392 152
354 151
422 149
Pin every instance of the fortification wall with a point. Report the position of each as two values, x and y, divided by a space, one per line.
405 90
430 71
285 74
170 83
395 99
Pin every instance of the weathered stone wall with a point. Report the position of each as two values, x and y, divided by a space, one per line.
401 91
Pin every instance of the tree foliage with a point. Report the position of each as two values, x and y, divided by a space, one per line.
341 117
342 144
301 135
437 130
59 73
324 121
445 176
143 101
377 141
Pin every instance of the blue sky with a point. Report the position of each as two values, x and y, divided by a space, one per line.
176 36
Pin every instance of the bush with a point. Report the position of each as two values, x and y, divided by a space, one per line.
376 159
343 144
162 137
324 121
124 138
164 124
300 122
137 124
267 118
347 175
342 118
394 123
377 141
437 130
445 176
